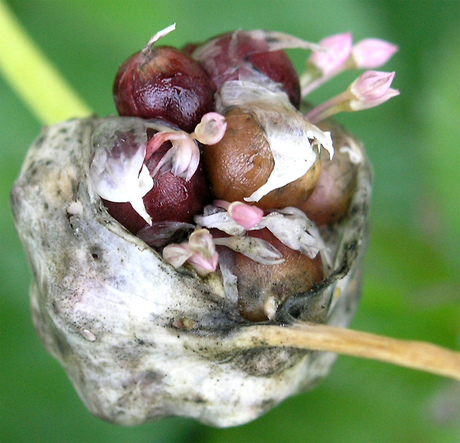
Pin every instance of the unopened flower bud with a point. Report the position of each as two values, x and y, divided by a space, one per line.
371 89
245 215
325 64
204 265
339 49
371 53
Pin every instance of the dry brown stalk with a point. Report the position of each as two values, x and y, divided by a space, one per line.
411 354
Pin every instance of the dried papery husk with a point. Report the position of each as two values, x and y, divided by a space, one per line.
141 340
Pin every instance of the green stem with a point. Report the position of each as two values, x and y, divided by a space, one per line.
34 78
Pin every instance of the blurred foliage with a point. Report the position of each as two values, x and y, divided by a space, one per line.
412 284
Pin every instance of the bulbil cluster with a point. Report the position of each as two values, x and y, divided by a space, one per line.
228 171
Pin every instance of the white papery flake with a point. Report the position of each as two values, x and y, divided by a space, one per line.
117 170
220 220
290 227
257 249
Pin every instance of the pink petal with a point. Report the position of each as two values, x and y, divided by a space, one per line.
372 85
245 215
177 254
372 53
201 241
340 47
204 265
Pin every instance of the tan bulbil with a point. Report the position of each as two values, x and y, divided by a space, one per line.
243 161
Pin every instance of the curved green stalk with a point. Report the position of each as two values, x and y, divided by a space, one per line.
34 78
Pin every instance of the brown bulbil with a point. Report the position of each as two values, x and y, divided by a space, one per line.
242 162
164 82
259 286
332 195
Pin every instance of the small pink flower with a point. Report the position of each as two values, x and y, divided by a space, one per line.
201 241
371 89
372 53
245 215
199 251
183 157
328 62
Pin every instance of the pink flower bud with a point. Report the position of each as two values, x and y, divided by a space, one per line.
204 265
372 53
328 62
211 129
371 89
245 215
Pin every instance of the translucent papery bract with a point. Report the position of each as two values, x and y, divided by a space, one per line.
290 227
117 171
257 249
319 138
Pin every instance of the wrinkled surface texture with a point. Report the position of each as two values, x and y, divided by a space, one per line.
139 339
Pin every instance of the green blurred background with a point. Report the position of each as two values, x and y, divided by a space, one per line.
412 285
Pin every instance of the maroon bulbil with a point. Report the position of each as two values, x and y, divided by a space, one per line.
238 55
172 198
165 83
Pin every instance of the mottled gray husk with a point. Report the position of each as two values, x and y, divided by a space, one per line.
139 339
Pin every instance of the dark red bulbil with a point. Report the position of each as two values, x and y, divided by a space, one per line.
238 49
171 199
165 83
